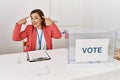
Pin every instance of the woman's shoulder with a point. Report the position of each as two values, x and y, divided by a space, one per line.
52 26
29 27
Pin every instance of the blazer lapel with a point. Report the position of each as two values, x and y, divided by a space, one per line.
34 38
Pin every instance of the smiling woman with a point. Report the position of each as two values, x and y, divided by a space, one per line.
12 11
39 34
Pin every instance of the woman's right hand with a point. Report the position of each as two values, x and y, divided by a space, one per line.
23 21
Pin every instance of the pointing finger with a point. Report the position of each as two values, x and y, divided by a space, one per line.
43 16
26 17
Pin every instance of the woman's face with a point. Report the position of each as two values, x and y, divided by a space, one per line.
36 20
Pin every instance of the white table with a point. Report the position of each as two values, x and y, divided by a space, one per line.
15 67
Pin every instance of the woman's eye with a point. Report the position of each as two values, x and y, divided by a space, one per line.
36 18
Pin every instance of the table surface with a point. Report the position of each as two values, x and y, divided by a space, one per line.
16 67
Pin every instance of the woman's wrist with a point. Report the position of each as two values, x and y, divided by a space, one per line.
19 23
51 23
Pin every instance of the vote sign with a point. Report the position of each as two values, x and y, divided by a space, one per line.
91 50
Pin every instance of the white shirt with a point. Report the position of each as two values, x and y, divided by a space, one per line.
43 42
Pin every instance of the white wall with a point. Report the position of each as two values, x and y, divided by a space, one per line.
100 13
93 13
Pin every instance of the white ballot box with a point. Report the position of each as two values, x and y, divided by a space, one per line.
91 46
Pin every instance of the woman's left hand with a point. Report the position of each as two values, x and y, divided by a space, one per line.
48 20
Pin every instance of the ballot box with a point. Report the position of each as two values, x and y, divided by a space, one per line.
87 46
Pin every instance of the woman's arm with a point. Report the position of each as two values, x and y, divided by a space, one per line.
55 32
18 35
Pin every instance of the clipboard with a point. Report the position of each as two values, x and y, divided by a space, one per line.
40 55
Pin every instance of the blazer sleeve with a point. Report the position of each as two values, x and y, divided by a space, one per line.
18 35
55 32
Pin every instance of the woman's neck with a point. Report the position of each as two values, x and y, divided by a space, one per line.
39 27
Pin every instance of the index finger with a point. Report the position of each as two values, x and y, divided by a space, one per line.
44 17
26 17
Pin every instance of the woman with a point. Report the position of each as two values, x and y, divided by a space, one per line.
39 34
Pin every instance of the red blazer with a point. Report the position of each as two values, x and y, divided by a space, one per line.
30 33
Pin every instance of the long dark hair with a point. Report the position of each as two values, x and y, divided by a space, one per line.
41 14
